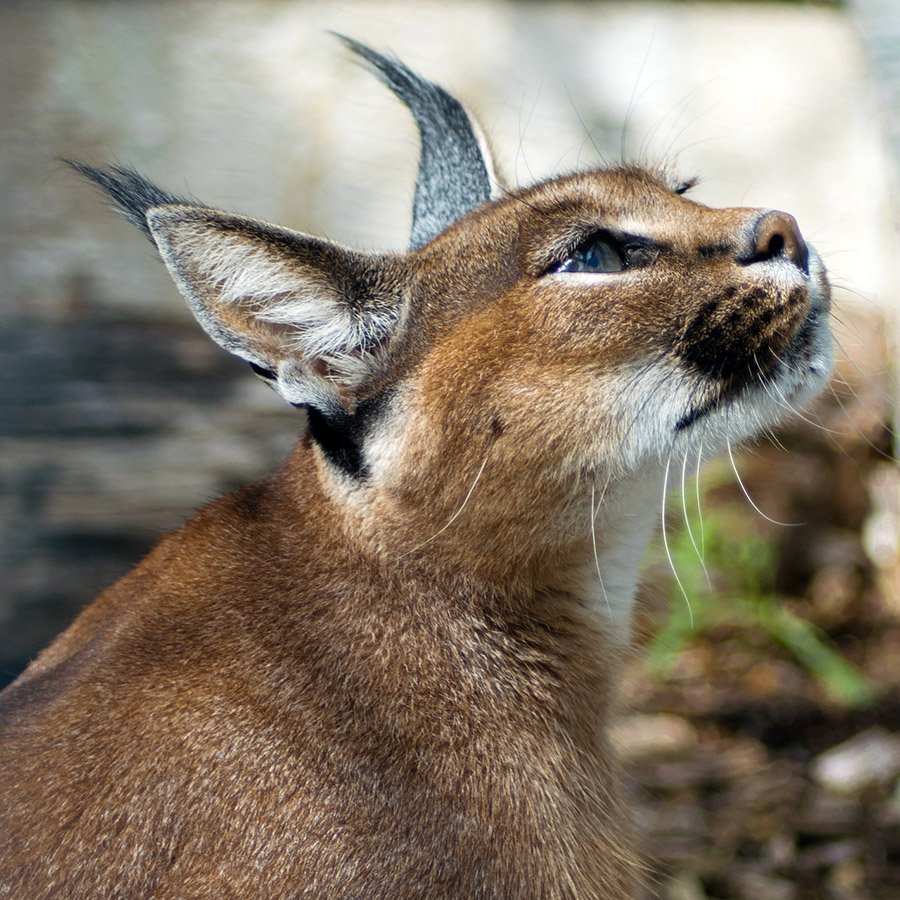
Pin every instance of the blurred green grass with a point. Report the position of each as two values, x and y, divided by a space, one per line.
723 568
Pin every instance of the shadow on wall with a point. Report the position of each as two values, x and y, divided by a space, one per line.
104 449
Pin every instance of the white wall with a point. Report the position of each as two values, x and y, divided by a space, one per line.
251 105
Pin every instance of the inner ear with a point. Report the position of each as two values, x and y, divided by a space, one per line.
302 311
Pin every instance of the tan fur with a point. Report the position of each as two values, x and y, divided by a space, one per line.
395 686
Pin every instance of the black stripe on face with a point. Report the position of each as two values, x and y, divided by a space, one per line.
698 412
267 374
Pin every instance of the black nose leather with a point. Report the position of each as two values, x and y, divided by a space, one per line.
777 234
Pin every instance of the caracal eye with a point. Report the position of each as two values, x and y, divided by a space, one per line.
595 255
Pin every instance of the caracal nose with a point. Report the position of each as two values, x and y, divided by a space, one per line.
776 234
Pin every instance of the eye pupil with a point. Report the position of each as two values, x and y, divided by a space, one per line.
605 252
597 255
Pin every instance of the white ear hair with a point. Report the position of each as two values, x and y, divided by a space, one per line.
318 328
284 301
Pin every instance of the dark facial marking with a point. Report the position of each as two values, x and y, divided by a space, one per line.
686 185
267 374
720 340
709 251
341 435
698 412
795 297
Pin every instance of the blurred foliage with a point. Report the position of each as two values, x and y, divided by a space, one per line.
724 575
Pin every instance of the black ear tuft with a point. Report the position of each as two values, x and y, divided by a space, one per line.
132 193
453 173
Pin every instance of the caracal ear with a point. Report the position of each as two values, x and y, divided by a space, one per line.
299 309
456 168
312 318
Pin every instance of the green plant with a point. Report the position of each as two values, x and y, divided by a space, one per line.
728 550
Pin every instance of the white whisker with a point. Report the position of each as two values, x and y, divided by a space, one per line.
849 417
687 518
700 511
781 400
784 403
750 499
594 543
868 377
773 438
666 544
455 515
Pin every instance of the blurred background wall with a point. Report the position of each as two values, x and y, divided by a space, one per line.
118 417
